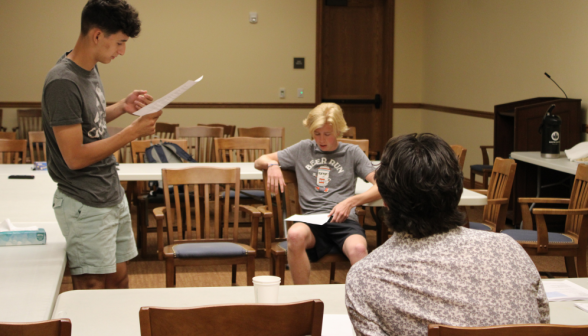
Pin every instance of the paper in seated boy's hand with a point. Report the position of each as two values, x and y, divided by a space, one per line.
341 211
136 101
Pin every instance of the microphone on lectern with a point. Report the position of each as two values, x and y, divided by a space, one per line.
546 74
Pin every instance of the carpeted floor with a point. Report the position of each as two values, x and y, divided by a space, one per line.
148 272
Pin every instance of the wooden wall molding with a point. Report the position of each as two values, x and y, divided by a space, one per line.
446 109
191 105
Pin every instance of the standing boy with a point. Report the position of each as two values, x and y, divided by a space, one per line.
90 204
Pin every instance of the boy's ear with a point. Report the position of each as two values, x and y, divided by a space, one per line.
95 35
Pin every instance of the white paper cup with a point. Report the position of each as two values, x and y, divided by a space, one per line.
266 288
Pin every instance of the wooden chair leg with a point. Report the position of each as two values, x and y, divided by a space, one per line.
233 275
332 275
472 180
272 264
250 269
170 273
581 263
144 223
571 267
281 267
485 179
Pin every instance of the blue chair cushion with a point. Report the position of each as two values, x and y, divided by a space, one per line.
204 250
480 167
531 236
479 226
246 194
334 249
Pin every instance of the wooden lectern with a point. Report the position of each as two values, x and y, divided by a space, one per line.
516 129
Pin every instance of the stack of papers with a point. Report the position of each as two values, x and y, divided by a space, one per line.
317 219
564 291
583 306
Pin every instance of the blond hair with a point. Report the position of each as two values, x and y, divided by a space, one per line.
326 113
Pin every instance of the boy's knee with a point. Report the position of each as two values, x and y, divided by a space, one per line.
297 238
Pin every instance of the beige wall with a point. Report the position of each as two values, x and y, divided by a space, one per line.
180 40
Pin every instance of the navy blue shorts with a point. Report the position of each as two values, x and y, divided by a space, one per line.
330 237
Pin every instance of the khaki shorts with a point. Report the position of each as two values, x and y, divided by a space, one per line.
97 238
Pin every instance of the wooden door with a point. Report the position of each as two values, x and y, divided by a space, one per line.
355 69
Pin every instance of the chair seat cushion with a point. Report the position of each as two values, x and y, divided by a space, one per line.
334 249
480 168
479 226
530 236
204 250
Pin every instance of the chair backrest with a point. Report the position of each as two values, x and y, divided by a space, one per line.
242 149
38 145
500 187
578 200
28 120
200 141
460 151
290 201
138 147
485 159
200 187
351 133
364 144
277 135
7 135
510 330
228 130
60 327
298 318
13 151
165 130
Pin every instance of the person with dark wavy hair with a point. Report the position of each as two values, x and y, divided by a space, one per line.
90 204
432 270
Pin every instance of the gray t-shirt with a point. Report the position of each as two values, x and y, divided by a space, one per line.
325 178
73 95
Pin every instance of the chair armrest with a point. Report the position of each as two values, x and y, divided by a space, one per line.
253 211
255 215
480 191
544 200
159 214
498 201
265 212
573 212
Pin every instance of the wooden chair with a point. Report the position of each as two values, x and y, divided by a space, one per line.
279 246
205 246
277 135
573 242
510 330
351 133
13 151
494 217
200 141
460 151
38 145
61 327
7 135
139 190
28 120
228 130
485 169
364 144
288 319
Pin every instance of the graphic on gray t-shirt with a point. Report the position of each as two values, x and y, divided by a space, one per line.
325 178
73 95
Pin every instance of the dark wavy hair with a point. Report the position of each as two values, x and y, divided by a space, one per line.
111 16
421 183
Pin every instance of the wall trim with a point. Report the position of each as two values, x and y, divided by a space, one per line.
191 105
446 109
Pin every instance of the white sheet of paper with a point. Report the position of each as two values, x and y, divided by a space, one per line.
318 219
564 291
583 306
6 225
168 98
337 325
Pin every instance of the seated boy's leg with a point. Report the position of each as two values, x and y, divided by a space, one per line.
120 279
300 238
89 281
355 248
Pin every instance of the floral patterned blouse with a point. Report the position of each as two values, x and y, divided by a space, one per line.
462 277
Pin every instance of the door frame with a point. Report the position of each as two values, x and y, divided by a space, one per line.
388 66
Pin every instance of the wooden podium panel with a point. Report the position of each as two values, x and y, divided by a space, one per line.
516 128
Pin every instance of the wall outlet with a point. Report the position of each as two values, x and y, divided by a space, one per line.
282 93
300 93
253 17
